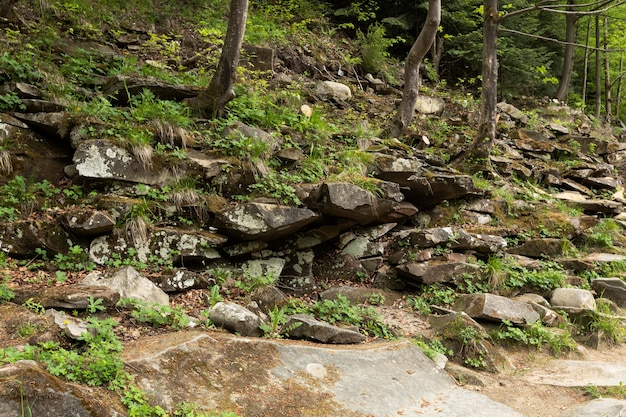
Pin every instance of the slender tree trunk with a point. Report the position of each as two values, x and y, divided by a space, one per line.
568 56
420 48
598 70
586 64
618 96
478 156
607 73
211 101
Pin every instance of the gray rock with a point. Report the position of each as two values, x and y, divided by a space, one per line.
24 385
102 160
88 222
299 264
532 298
429 105
254 376
119 87
179 246
495 308
359 295
129 284
23 237
429 272
513 111
239 129
590 205
72 327
398 170
264 267
612 288
351 202
55 124
539 248
443 323
601 407
72 297
252 221
236 319
312 329
194 245
182 279
335 90
429 190
268 297
572 300
454 238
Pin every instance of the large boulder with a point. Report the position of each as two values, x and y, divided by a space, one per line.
495 308
23 237
350 201
72 297
303 326
26 387
236 319
250 221
129 284
100 159
289 378
612 288
572 300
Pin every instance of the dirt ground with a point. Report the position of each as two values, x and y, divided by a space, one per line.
534 400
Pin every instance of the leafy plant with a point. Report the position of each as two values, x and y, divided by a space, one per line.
433 348
77 259
157 314
340 310
535 335
95 305
251 281
34 306
6 292
214 295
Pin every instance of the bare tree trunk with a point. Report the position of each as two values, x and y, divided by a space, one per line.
568 56
211 101
477 158
586 65
422 44
618 96
607 73
437 54
598 71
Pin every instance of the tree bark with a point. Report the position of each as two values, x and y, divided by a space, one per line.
414 59
618 96
211 101
608 98
478 156
586 65
598 71
568 56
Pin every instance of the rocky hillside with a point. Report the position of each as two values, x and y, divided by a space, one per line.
127 219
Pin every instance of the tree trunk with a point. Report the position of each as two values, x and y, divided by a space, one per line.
419 49
608 99
618 96
211 101
598 71
586 64
568 56
477 159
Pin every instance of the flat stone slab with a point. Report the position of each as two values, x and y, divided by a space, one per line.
287 378
604 407
570 373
